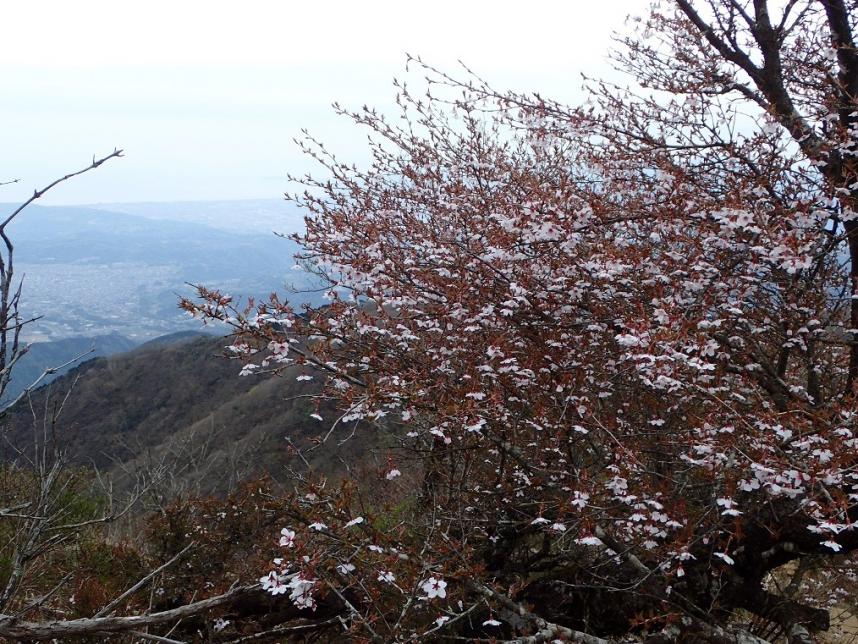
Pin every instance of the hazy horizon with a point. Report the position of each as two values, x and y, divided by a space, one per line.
205 100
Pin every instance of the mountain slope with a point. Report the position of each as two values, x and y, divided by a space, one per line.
169 405
50 355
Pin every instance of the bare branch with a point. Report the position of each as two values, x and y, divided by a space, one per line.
39 193
13 628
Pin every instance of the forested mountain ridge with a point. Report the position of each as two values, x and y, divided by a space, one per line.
172 402
53 355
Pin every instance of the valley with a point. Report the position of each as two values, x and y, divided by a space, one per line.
90 272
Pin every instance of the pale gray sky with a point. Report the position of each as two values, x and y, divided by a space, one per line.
205 96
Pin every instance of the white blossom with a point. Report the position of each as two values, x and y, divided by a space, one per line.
434 588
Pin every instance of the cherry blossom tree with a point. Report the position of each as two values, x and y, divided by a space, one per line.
615 344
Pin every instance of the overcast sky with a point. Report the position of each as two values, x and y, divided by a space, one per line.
206 96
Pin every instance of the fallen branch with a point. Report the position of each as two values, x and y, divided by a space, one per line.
13 629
